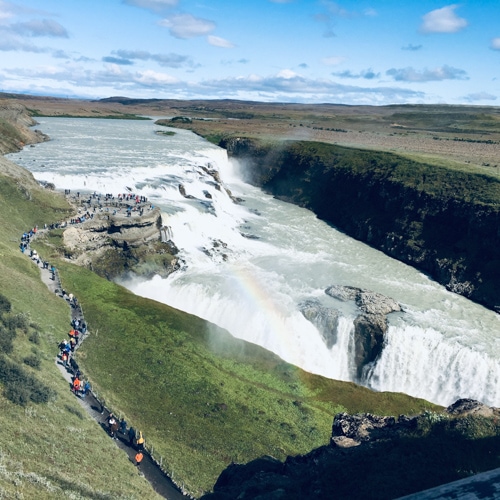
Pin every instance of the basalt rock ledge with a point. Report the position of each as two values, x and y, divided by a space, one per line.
370 456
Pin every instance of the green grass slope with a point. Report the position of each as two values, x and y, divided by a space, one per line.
203 398
47 450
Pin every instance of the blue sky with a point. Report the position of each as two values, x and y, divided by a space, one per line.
349 52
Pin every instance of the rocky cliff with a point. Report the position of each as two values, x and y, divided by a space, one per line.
375 457
15 131
112 244
370 324
442 220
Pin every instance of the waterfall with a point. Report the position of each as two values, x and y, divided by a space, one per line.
251 263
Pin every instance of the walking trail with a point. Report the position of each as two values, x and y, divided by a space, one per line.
149 467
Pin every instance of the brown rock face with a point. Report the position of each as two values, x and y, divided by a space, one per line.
15 123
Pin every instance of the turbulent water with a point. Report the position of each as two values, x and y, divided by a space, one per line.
249 267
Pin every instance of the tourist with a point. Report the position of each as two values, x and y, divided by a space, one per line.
140 441
131 436
76 385
112 426
123 426
86 389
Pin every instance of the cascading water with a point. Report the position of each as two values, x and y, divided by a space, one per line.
260 267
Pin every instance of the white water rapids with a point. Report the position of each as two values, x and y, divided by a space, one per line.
248 266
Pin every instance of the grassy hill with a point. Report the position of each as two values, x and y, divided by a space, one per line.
52 449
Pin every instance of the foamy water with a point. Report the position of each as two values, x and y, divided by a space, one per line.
248 266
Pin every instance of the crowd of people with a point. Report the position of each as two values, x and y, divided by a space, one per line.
91 203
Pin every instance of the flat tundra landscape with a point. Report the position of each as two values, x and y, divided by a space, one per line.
463 134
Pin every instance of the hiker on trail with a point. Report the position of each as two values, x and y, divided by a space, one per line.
112 426
76 385
123 426
65 358
131 436
138 458
140 441
86 389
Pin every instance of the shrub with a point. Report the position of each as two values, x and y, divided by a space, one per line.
20 387
18 321
17 394
5 305
33 361
6 338
34 337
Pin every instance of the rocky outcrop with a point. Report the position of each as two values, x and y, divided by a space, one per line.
370 325
440 220
106 229
15 128
113 245
370 456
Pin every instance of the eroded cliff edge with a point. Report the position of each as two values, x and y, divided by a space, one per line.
442 220
376 457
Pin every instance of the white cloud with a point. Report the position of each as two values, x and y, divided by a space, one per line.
13 42
443 20
333 61
367 74
287 74
333 12
495 43
285 86
44 27
220 42
167 60
152 78
5 13
427 75
288 86
187 26
480 96
154 5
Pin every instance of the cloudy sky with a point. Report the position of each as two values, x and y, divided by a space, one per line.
350 51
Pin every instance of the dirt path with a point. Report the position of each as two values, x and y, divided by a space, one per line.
160 482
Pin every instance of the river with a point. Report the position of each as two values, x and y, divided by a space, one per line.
248 266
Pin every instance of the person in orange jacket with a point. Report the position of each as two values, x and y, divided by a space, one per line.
138 458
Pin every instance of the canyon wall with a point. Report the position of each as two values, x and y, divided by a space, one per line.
444 221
